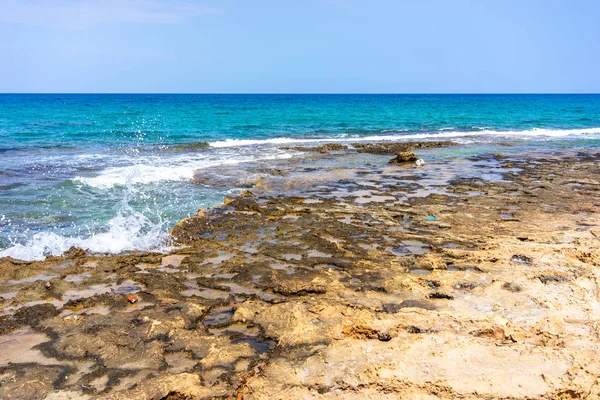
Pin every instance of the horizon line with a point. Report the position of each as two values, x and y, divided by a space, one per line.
301 93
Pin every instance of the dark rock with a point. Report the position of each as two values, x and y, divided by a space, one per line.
521 259
545 279
438 295
190 146
404 157
33 315
324 148
512 287
416 329
395 148
74 252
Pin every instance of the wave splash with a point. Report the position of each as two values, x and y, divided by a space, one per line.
443 133
129 230
177 170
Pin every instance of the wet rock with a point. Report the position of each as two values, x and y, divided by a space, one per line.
299 295
74 253
190 146
438 295
404 157
395 148
323 149
8 324
32 316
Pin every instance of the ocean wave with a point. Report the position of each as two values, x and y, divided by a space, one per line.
148 172
128 231
444 134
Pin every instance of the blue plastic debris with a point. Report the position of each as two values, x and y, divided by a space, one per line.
430 218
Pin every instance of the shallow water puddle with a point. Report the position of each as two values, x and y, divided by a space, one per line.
8 295
346 219
257 344
193 289
312 201
99 383
292 256
372 246
316 253
36 278
18 347
222 276
282 267
77 278
374 199
179 362
290 217
249 248
222 256
326 266
236 328
419 271
99 310
209 294
173 260
55 303
125 287
129 381
451 246
90 264
237 289
409 247
218 317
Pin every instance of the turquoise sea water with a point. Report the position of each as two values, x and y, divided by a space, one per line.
112 173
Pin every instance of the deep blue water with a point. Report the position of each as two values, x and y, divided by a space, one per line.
104 171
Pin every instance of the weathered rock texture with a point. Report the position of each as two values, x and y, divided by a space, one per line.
341 289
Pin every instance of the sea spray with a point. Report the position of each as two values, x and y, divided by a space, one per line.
129 230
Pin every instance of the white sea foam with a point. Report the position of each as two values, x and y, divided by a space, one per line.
442 134
128 231
179 169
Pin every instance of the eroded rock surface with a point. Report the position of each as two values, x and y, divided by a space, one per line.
332 283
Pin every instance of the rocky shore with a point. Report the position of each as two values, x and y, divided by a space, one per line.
461 279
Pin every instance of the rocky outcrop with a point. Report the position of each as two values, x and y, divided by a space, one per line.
404 157
348 291
399 147
323 149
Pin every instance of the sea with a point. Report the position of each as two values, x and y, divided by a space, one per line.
111 173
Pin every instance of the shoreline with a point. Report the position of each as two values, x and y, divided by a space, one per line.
333 281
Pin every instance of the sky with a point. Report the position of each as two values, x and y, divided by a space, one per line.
306 46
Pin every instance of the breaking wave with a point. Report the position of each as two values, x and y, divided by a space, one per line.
129 230
401 135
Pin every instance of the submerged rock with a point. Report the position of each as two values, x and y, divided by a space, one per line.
190 146
395 148
404 157
324 148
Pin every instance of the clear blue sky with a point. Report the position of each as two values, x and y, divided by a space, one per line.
398 46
